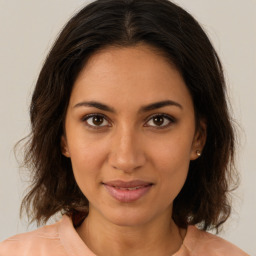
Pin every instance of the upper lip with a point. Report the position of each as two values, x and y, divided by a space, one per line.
127 184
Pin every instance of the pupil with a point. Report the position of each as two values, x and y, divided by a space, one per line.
158 120
97 120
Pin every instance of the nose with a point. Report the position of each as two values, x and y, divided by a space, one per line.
126 153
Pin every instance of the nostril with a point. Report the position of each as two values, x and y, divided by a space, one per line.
126 163
126 152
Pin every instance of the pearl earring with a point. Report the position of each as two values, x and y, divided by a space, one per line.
198 152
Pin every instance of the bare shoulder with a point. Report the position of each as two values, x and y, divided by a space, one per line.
33 243
199 243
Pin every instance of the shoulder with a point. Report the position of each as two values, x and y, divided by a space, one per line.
38 242
200 243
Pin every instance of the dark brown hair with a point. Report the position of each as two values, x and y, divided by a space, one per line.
159 23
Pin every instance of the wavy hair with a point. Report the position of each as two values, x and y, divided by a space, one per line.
204 199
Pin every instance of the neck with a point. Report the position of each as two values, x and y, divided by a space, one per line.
159 237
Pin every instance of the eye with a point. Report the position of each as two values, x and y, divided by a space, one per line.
160 121
96 121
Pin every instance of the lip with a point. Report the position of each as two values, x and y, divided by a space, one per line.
127 191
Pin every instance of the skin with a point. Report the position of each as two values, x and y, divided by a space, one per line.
128 144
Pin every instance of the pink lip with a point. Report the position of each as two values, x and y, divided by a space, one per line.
127 191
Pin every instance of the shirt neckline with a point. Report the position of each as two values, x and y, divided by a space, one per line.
74 245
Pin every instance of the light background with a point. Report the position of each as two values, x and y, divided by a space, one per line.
27 31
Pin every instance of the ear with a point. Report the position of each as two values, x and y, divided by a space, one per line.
64 146
199 140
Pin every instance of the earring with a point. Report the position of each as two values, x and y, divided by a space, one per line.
198 152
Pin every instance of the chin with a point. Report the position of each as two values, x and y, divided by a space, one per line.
128 217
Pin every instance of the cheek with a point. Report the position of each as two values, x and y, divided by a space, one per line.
172 163
174 150
86 158
173 171
172 177
86 150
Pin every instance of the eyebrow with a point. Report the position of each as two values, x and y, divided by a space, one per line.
152 106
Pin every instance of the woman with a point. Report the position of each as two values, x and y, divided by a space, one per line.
131 137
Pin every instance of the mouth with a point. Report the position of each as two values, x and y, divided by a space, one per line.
127 191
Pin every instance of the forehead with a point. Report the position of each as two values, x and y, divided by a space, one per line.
126 60
138 74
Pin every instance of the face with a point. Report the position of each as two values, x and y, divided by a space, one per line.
130 134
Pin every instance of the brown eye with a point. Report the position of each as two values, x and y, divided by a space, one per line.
96 121
160 121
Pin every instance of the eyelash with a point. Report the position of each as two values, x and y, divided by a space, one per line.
170 119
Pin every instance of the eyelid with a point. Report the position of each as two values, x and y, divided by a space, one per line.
86 117
170 118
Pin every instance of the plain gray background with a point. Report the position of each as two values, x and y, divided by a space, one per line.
27 31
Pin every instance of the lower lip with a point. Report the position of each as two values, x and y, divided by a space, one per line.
127 196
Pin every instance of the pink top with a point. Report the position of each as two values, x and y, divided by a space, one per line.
62 239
